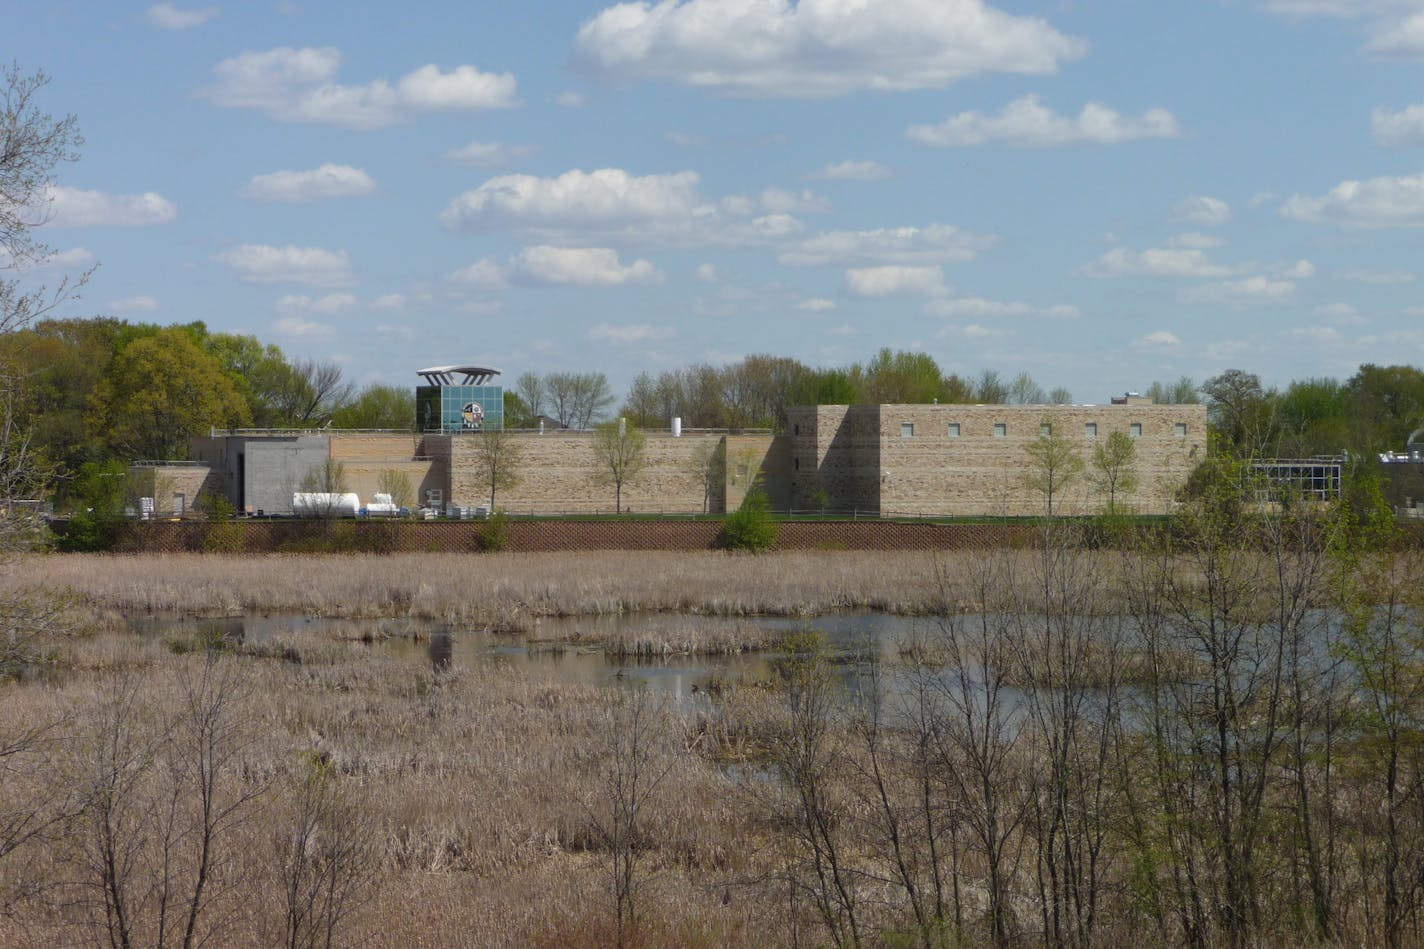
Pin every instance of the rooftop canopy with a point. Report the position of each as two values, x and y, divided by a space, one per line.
445 375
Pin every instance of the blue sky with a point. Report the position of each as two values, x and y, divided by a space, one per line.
1099 192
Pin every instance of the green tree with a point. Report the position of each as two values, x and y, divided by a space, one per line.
1114 467
620 453
498 455
1386 405
751 527
1054 463
100 490
161 393
903 377
379 407
1242 413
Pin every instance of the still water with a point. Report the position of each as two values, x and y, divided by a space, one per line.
565 649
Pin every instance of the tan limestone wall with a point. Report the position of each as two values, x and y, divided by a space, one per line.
165 483
980 472
558 472
366 456
758 459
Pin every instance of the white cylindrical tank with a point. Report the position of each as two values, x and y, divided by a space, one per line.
325 504
677 427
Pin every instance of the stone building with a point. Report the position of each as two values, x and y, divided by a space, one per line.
965 460
885 460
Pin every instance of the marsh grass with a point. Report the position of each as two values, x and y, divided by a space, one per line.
464 780
512 590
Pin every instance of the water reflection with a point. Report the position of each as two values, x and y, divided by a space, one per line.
568 649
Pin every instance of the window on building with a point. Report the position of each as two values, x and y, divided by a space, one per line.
1045 429
1135 430
1001 429
796 462
796 429
907 429
1091 429
1180 429
953 429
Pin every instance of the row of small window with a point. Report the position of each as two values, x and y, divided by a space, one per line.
1090 430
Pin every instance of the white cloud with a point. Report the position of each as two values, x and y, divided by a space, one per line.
581 266
59 260
1378 202
1252 290
629 334
166 16
295 326
1397 25
774 226
816 305
1161 338
489 154
854 171
329 305
139 304
313 266
1300 270
895 281
389 301
297 85
845 329
1156 262
1405 127
608 197
72 207
975 331
483 274
1400 38
1026 123
327 181
934 244
980 308
816 48
707 273
571 100
1204 210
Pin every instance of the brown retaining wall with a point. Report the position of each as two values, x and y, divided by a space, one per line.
456 536
557 535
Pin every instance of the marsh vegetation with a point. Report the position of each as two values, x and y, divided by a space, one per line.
1211 739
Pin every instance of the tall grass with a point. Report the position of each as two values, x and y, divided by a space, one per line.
500 592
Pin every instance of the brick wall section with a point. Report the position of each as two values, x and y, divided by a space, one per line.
366 456
901 459
558 473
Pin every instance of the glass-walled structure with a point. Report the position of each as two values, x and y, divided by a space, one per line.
459 399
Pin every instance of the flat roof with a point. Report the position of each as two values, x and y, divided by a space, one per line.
445 375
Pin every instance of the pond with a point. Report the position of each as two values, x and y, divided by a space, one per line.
571 650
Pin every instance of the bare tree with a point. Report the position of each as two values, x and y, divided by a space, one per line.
531 389
397 484
635 763
162 796
1055 463
498 456
326 860
620 452
32 144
